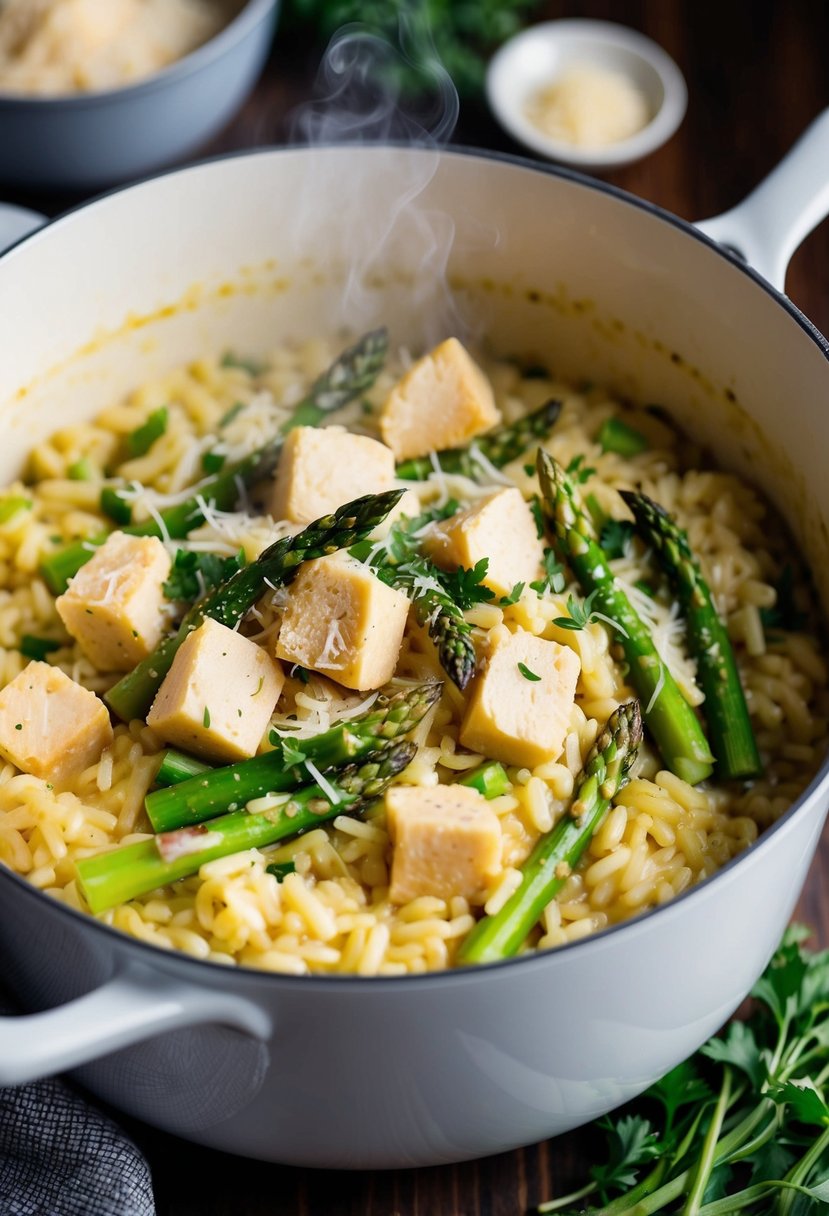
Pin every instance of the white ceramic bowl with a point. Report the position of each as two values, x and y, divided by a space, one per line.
86 140
532 59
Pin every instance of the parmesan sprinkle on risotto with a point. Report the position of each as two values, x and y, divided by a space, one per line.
347 662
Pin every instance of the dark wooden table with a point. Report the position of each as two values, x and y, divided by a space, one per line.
757 74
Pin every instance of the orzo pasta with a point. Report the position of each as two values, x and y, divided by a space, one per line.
392 884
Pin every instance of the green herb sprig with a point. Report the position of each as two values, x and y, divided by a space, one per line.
743 1126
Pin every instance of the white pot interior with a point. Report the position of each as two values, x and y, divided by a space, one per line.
249 252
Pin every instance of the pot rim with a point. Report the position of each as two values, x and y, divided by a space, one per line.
244 974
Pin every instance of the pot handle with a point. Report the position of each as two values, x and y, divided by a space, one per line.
768 225
17 222
131 1007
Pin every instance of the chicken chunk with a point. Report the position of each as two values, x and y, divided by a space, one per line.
447 841
113 607
218 696
321 468
499 528
520 703
343 621
50 726
443 401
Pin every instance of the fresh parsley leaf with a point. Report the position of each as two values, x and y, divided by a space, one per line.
578 471
280 869
233 412
682 1086
553 579
785 614
526 673
37 648
529 469
193 574
739 1048
772 1160
513 597
139 441
466 587
805 1103
538 515
252 366
615 537
580 614
631 1143
292 755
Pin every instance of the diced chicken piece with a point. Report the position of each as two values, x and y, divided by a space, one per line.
443 401
113 607
447 841
49 725
520 702
218 696
320 468
500 528
343 621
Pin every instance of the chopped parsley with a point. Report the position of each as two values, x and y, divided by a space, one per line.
526 673
139 441
193 574
253 367
280 869
553 579
538 515
232 413
18 726
292 755
579 472
615 537
513 597
580 614
206 718
785 614
37 648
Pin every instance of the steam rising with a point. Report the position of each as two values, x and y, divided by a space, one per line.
380 206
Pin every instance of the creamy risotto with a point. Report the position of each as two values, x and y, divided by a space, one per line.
80 46
368 738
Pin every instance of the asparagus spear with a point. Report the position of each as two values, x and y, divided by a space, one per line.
177 766
544 873
668 716
122 874
438 612
726 712
350 374
132 696
212 792
489 779
498 447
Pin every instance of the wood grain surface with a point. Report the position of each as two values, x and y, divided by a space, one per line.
757 73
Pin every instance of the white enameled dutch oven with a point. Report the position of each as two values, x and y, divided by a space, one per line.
247 252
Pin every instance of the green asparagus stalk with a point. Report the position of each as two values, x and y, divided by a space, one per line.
489 779
558 852
437 611
212 792
668 716
499 447
135 869
354 371
132 696
725 709
220 492
177 766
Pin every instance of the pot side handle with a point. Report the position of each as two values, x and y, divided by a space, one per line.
17 222
768 225
131 1007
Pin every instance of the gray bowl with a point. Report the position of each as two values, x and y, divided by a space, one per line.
87 140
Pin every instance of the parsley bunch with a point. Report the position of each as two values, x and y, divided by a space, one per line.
743 1126
463 32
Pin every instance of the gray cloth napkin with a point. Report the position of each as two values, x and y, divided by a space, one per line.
61 1156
